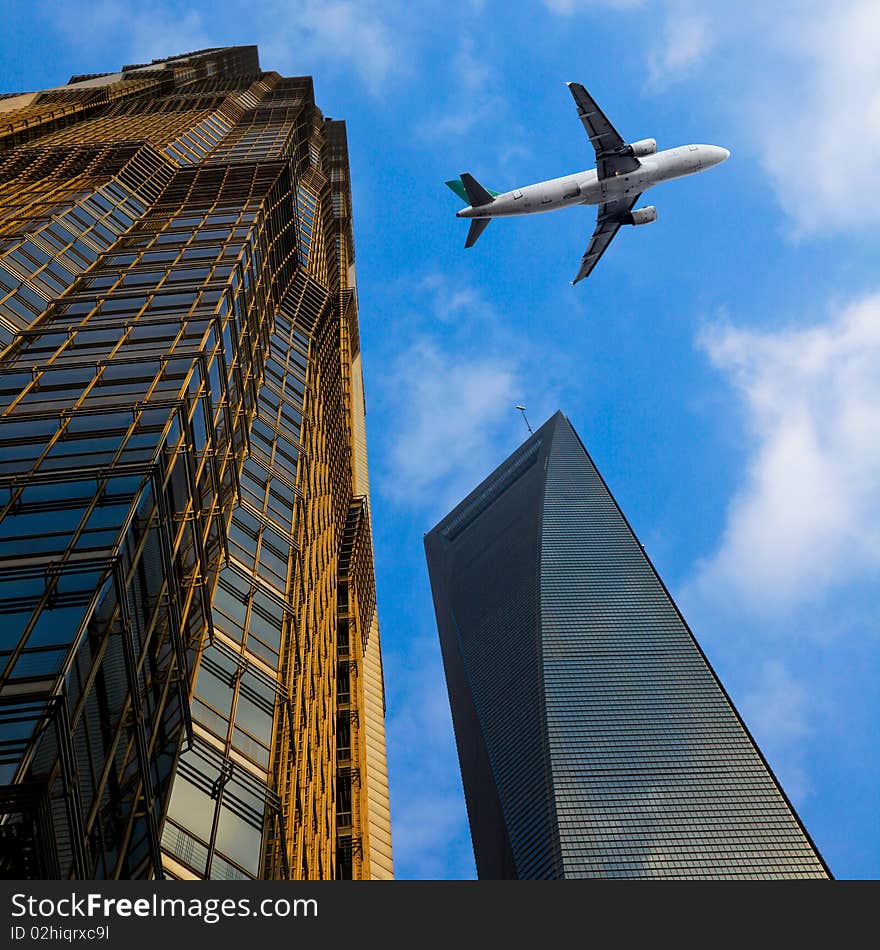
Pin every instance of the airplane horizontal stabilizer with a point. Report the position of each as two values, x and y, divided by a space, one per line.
478 225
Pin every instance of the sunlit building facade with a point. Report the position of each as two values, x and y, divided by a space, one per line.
190 669
594 738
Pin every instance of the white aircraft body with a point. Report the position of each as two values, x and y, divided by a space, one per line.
623 172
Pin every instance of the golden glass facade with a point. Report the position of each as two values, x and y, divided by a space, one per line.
190 671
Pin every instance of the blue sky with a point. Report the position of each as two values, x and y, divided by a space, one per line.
722 366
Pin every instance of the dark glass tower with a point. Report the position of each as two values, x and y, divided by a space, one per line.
594 738
190 673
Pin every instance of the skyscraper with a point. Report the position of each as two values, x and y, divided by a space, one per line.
190 669
594 738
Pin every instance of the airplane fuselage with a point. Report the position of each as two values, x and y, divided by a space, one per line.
585 188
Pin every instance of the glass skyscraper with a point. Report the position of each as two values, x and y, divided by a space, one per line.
190 669
593 736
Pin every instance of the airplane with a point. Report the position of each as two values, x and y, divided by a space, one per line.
623 172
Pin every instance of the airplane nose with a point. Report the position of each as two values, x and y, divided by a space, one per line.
721 154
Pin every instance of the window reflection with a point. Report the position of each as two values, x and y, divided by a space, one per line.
254 716
239 840
192 808
216 681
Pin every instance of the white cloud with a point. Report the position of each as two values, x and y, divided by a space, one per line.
452 301
686 42
471 67
570 7
320 35
454 375
779 709
778 705
426 825
806 521
821 146
150 31
475 101
452 409
803 83
798 559
455 123
338 34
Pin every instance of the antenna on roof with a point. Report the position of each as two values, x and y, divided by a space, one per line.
522 409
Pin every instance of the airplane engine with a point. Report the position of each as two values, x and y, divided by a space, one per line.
642 147
640 216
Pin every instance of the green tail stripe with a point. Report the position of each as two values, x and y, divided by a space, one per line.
458 188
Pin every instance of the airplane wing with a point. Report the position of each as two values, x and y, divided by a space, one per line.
606 140
607 225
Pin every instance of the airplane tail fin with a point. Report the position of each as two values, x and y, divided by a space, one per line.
477 194
456 186
478 225
471 191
